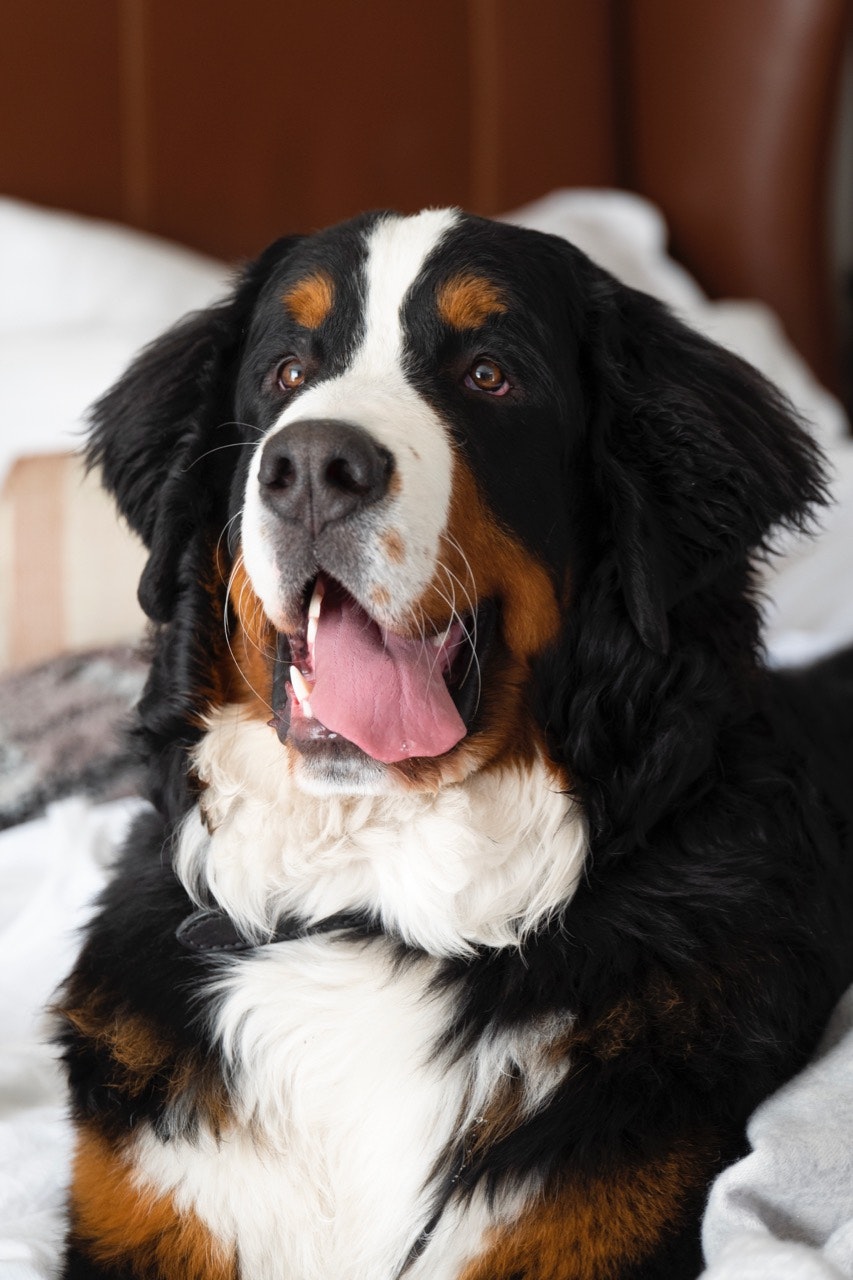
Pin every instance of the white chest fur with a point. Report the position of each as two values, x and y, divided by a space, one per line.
344 1100
343 1107
481 862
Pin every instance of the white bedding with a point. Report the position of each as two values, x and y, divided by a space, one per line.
76 299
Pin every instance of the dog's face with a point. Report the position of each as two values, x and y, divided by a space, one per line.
402 508
409 459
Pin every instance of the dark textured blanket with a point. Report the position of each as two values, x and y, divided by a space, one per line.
63 730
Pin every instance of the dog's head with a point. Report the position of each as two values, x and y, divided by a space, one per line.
390 481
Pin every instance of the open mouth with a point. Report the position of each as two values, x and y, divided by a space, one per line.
341 676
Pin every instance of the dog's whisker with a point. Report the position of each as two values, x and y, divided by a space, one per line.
233 444
469 634
246 426
256 614
223 534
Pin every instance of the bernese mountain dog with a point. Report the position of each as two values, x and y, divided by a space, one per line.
489 879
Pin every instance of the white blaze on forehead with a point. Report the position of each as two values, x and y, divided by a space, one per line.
398 249
373 393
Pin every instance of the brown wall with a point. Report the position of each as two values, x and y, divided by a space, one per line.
743 165
222 125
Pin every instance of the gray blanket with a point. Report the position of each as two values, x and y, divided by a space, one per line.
786 1210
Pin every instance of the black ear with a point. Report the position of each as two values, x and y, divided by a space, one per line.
148 431
697 456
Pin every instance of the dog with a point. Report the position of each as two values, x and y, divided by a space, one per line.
490 879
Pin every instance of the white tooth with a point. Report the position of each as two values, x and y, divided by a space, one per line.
439 640
316 600
301 688
312 628
306 710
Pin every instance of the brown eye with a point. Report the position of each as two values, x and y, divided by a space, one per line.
290 374
486 375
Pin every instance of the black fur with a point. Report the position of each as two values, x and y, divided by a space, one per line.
654 467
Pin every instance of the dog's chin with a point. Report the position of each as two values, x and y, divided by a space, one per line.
329 765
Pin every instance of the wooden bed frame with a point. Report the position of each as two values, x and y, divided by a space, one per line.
223 124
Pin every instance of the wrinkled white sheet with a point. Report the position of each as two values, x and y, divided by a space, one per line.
82 297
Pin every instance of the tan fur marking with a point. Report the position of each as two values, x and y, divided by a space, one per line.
120 1222
309 301
213 681
468 301
136 1048
595 1228
395 547
130 1041
381 597
494 566
658 1011
253 642
141 1057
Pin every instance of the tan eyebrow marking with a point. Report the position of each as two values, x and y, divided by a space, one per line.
309 301
467 301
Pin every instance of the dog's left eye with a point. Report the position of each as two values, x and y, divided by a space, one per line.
487 375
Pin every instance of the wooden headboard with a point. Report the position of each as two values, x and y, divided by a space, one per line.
222 123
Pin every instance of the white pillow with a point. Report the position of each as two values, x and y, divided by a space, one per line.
78 298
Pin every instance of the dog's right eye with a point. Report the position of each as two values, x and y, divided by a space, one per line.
486 375
290 374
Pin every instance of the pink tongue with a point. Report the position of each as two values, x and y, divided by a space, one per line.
384 693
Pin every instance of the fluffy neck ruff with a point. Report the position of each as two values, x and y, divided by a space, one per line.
480 863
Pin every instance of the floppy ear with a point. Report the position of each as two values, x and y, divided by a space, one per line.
697 456
149 430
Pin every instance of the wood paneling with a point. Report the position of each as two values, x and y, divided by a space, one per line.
269 117
543 99
60 104
223 124
731 108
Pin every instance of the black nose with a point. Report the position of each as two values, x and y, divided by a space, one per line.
317 471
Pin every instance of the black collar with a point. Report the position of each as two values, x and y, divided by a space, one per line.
212 929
